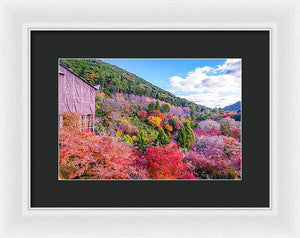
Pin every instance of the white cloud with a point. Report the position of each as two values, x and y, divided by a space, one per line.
212 87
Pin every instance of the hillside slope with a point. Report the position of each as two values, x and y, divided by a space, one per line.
113 79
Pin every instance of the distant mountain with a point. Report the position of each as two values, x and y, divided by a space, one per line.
233 107
112 79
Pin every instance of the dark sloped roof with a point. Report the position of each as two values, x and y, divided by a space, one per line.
77 76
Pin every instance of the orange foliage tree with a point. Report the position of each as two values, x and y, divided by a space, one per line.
72 120
101 95
157 113
168 127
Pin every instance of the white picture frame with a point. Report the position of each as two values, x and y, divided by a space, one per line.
280 18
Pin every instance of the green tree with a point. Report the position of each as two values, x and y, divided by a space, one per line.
190 136
199 108
151 106
142 140
236 117
215 110
202 117
172 121
226 130
165 108
193 112
195 125
128 139
148 91
157 105
218 117
181 137
137 110
207 112
162 138
185 136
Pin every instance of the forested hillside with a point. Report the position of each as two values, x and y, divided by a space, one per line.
113 79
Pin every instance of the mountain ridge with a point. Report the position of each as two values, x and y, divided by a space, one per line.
233 107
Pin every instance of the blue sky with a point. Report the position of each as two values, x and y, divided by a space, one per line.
210 82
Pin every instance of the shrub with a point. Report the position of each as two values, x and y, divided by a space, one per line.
165 108
180 111
107 105
181 137
169 128
166 163
84 154
157 106
202 117
226 120
173 120
193 112
215 157
151 106
115 115
227 114
209 146
218 116
162 138
99 128
71 121
128 139
211 168
177 125
119 134
231 128
232 147
236 129
237 116
154 121
128 128
143 115
185 136
226 130
236 133
157 113
119 96
101 95
209 126
189 133
142 140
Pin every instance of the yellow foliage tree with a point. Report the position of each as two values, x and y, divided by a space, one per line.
119 134
154 121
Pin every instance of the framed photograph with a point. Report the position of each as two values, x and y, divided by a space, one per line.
157 126
116 125
150 119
